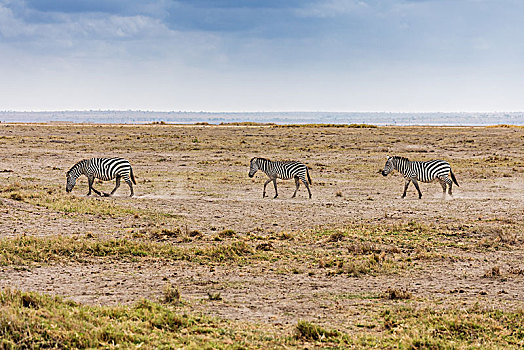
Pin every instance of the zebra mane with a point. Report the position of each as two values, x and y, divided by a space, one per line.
76 166
400 158
259 158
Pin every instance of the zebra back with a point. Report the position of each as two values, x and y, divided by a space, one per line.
102 168
109 168
285 169
425 171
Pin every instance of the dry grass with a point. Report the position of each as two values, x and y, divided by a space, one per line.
494 272
171 295
397 294
354 126
193 188
247 124
505 126
28 250
309 331
30 320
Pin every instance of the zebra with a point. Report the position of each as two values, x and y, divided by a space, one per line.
104 169
284 170
428 171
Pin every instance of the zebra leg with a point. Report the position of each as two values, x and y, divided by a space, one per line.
415 182
307 186
276 191
297 183
117 185
90 185
443 184
130 187
90 181
406 187
265 184
450 184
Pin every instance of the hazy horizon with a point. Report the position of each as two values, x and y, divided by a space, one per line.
178 117
257 111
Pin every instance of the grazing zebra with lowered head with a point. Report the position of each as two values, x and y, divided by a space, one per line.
284 170
432 170
103 169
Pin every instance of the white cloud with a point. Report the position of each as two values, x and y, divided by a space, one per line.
317 55
90 26
11 27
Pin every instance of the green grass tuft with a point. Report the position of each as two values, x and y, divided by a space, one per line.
310 331
171 295
28 250
35 321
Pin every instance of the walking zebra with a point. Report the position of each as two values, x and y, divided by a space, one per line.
284 170
103 169
421 171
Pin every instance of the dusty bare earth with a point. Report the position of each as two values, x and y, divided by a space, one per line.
194 178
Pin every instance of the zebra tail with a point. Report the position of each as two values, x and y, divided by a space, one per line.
453 177
308 177
132 176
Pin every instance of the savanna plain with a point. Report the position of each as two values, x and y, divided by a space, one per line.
198 259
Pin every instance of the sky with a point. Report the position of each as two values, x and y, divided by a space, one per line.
262 55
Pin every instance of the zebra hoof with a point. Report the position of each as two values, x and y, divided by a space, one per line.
105 194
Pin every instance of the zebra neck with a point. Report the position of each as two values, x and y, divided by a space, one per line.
80 168
402 166
264 165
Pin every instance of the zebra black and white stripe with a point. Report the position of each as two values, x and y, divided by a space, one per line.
413 171
104 169
284 170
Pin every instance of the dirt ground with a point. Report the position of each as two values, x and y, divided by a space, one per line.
195 179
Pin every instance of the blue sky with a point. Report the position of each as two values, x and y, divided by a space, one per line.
204 55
